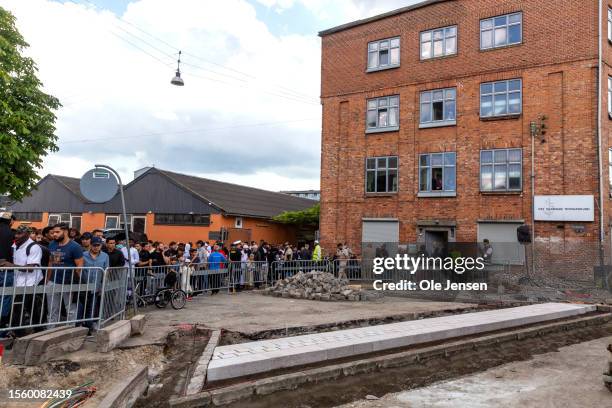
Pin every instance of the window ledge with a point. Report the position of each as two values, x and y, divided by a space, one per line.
501 117
374 195
369 70
383 130
501 47
427 194
444 123
442 57
493 193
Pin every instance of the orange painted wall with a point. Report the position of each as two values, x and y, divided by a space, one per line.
90 222
260 229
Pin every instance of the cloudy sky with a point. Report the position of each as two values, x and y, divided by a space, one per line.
249 112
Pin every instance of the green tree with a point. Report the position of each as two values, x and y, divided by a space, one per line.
27 118
308 217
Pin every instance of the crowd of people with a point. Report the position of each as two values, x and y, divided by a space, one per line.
59 255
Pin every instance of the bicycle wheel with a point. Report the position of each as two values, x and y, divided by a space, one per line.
179 299
161 298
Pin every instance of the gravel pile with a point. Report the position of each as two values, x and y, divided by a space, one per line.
317 285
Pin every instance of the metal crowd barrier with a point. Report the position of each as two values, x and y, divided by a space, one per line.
115 294
71 296
249 274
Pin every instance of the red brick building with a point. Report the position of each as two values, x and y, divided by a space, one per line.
430 113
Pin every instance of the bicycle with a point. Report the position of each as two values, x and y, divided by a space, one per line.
176 297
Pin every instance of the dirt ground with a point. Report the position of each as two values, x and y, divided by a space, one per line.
77 368
571 377
252 312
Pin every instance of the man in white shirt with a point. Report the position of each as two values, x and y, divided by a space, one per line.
27 307
135 258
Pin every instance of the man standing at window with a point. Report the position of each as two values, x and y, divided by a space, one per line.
68 254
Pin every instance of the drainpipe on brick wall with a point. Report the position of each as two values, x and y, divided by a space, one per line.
533 234
599 124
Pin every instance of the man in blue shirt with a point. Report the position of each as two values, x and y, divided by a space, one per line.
216 261
95 263
65 253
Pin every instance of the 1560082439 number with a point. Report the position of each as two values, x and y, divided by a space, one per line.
38 394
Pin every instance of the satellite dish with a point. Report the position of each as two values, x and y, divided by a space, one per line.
99 185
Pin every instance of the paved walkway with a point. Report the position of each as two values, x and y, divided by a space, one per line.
256 357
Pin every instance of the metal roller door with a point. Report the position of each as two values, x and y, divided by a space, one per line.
506 248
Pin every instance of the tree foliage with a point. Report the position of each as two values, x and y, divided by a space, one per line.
308 217
27 118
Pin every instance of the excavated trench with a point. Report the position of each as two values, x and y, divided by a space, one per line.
422 373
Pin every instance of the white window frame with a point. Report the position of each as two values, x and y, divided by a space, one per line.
60 218
376 47
448 95
389 103
488 25
115 217
609 24
495 94
238 222
444 34
386 169
507 163
610 169
446 165
610 97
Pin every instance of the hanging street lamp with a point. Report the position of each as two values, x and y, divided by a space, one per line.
177 80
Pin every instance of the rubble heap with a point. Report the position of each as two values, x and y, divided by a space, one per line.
316 285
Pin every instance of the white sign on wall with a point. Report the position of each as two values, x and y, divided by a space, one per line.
564 208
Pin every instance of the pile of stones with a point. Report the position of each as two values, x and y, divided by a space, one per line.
316 285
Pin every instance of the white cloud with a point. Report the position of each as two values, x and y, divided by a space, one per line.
120 99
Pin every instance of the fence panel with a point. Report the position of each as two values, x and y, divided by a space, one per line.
250 274
115 294
71 296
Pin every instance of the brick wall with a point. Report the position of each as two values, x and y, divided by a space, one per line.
557 62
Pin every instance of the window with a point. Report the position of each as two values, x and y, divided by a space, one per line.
609 24
610 97
610 169
439 43
501 98
381 174
182 219
57 218
383 114
116 221
112 222
438 107
501 170
384 54
501 31
238 222
75 222
437 174
28 216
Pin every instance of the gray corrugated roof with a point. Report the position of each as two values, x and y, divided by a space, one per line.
379 17
236 199
72 184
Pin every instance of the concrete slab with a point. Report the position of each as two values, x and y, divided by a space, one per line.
111 336
138 324
256 357
51 345
125 392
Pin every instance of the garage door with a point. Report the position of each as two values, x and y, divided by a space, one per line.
379 237
380 231
506 248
